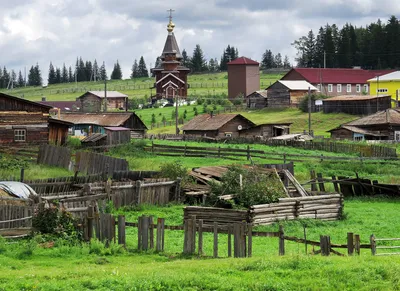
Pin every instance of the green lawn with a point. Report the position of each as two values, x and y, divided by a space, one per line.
200 85
28 266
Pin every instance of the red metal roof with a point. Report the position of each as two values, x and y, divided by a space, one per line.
338 76
243 61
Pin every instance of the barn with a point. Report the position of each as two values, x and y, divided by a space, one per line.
357 104
266 130
217 126
99 101
112 136
257 99
284 93
23 122
383 125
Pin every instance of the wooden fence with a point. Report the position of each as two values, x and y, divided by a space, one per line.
382 244
54 156
248 153
15 216
323 207
92 163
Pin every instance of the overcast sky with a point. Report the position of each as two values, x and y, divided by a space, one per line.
40 31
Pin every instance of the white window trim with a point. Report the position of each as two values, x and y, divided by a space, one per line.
20 135
339 88
366 89
330 88
347 88
358 88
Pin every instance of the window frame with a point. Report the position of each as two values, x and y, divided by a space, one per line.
339 88
358 88
20 135
330 88
347 88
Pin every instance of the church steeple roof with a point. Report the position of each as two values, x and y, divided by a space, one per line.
171 45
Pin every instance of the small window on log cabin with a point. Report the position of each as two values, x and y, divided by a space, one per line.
20 135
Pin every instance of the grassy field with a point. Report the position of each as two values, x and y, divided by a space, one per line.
200 85
28 265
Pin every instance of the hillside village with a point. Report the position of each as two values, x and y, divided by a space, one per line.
273 168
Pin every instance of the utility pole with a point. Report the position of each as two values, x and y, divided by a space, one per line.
105 94
309 110
25 75
176 113
377 93
76 77
324 59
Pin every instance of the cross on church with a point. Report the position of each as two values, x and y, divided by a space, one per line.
170 14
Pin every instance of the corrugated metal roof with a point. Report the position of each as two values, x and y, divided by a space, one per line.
354 98
243 61
337 76
395 76
102 119
94 137
388 116
298 85
206 122
110 94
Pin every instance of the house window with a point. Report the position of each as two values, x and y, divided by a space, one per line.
382 91
319 87
397 135
358 88
20 135
339 88
330 88
348 88
365 89
358 137
228 134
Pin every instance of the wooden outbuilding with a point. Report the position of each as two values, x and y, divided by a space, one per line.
23 122
257 99
58 131
267 130
100 101
117 135
217 126
357 104
383 125
284 93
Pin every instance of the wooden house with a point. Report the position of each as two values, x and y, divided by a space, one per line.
356 104
267 130
257 99
23 122
383 125
89 123
217 126
58 131
284 93
243 77
100 101
336 81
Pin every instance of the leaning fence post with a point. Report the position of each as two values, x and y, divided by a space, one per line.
121 230
373 244
350 243
281 241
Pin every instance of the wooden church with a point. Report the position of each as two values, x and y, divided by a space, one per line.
171 76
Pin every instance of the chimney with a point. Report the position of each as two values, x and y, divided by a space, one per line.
44 98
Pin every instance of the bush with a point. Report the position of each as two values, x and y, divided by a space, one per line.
257 188
303 105
173 171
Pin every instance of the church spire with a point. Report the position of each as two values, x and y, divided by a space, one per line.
171 25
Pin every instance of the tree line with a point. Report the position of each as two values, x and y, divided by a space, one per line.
375 46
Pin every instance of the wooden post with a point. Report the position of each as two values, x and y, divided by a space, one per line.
248 152
325 244
178 189
200 237
219 151
90 218
138 187
335 184
140 218
357 244
314 181
215 253
145 233
305 237
151 232
350 243
230 230
373 244
121 230
249 240
284 158
185 236
160 235
22 176
321 182
281 241
193 248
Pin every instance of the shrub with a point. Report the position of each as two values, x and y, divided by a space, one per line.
173 171
303 105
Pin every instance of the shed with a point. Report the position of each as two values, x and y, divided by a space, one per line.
117 135
257 99
217 126
58 131
99 101
243 77
267 130
356 104
285 93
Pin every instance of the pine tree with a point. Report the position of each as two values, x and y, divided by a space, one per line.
6 78
103 72
96 73
211 66
20 80
278 61
135 70
1 79
52 75
38 76
58 76
267 61
142 68
158 62
198 62
185 59
70 75
286 63
64 74
89 71
116 74
31 76
310 50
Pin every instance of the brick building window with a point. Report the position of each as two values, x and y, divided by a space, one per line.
20 135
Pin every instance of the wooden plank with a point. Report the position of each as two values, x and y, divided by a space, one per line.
295 183
215 252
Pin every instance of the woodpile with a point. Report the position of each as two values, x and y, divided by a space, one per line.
323 207
209 215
